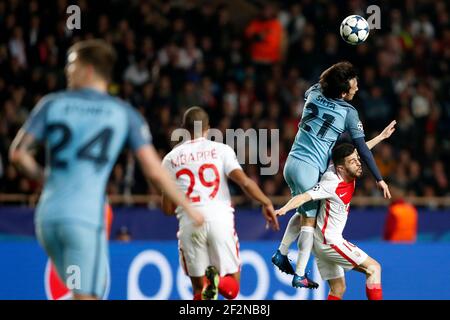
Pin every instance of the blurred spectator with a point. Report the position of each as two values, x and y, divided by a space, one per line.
402 218
17 47
266 36
137 73
123 234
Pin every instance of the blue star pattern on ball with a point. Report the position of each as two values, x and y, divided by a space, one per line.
354 29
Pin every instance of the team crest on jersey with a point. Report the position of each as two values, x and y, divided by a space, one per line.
316 187
360 126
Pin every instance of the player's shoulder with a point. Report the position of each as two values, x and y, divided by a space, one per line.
46 102
330 176
315 89
50 98
133 116
127 107
177 149
224 148
344 104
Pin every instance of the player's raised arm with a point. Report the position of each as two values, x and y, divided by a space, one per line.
293 203
252 190
355 128
386 133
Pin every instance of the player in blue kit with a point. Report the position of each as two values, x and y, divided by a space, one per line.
326 115
84 129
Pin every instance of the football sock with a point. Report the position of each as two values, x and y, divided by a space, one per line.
374 291
228 287
290 234
305 244
331 297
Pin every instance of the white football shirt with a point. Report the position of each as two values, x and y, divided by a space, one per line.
200 168
336 195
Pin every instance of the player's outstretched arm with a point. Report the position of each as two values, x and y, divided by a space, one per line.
152 169
253 191
21 155
386 133
367 156
293 203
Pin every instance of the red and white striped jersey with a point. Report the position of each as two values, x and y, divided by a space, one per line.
336 195
200 168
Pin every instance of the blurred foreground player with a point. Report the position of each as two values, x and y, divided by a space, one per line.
334 254
209 254
84 129
55 287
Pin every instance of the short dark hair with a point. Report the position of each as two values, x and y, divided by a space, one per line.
340 152
335 80
98 53
195 114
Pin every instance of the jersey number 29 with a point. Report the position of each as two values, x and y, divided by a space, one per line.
215 183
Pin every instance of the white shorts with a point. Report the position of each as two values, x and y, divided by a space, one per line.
214 243
334 259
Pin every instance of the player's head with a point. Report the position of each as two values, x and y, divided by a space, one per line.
346 161
88 62
339 81
196 121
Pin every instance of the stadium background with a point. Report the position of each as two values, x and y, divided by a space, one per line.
175 54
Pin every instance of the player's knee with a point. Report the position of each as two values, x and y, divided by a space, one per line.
338 290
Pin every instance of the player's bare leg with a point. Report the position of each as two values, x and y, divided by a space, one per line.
197 287
337 288
305 245
372 269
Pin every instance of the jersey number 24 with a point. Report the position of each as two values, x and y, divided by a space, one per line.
101 140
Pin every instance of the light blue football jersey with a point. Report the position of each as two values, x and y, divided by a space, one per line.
323 120
84 132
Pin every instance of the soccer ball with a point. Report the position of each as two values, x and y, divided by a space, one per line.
354 29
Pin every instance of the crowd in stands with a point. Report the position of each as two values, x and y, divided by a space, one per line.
249 67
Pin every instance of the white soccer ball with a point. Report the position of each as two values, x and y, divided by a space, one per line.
354 29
